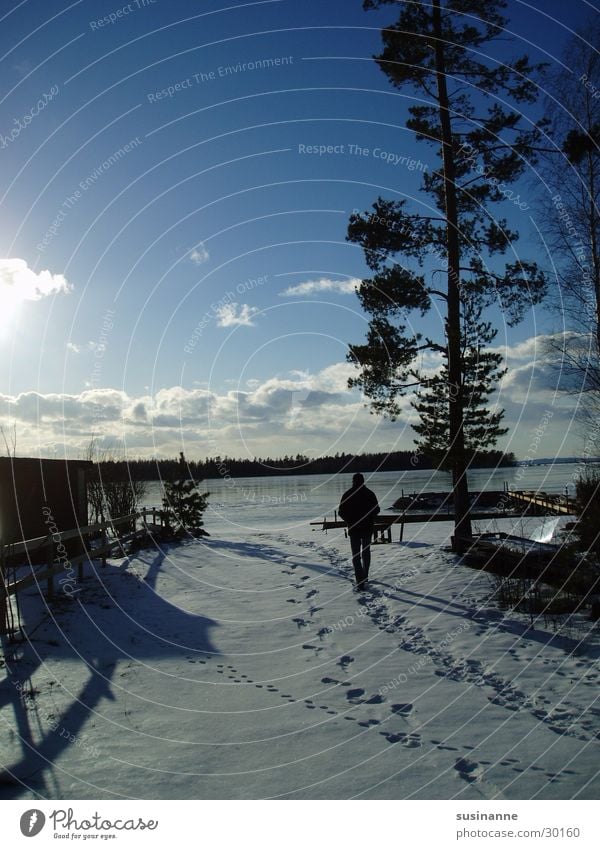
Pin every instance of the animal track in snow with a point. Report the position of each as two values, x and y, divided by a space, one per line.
402 709
471 771
355 694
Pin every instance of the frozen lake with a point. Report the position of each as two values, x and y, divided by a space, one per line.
289 501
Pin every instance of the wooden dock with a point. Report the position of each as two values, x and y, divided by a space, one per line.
553 505
382 526
510 502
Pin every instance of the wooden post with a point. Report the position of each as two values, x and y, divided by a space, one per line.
3 593
86 547
104 539
50 560
401 532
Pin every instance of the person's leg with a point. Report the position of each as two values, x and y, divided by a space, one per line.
355 545
366 553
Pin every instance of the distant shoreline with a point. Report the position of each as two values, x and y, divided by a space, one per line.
214 468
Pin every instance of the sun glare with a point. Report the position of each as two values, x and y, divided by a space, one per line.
19 283
11 300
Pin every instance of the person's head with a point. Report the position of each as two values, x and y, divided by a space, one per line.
357 480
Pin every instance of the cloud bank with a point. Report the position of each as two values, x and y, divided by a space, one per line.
297 412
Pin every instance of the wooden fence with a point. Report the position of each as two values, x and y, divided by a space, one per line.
98 541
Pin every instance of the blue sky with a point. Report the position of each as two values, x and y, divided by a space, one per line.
176 274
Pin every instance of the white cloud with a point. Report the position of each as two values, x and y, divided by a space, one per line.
537 348
199 254
295 412
24 284
324 284
236 315
77 347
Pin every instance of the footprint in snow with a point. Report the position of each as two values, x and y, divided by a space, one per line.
402 709
393 738
469 770
354 695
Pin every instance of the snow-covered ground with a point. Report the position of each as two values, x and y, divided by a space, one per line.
246 666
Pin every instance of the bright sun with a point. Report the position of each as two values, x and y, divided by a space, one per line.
19 283
11 300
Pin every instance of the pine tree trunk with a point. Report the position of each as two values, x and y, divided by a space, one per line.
462 518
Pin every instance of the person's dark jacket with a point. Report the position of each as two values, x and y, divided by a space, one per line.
358 509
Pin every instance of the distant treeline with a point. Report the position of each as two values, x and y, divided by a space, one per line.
229 467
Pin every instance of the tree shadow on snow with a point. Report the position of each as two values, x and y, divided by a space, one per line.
247 549
414 544
116 616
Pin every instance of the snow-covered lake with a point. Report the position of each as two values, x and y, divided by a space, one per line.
289 502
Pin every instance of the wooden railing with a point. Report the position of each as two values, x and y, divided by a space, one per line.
106 532
555 504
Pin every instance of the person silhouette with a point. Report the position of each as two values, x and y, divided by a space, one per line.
358 509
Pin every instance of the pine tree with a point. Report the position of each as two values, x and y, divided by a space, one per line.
439 49
481 373
183 503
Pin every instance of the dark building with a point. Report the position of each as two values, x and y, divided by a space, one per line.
35 493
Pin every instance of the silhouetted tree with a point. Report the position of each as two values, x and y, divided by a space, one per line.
571 215
440 50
